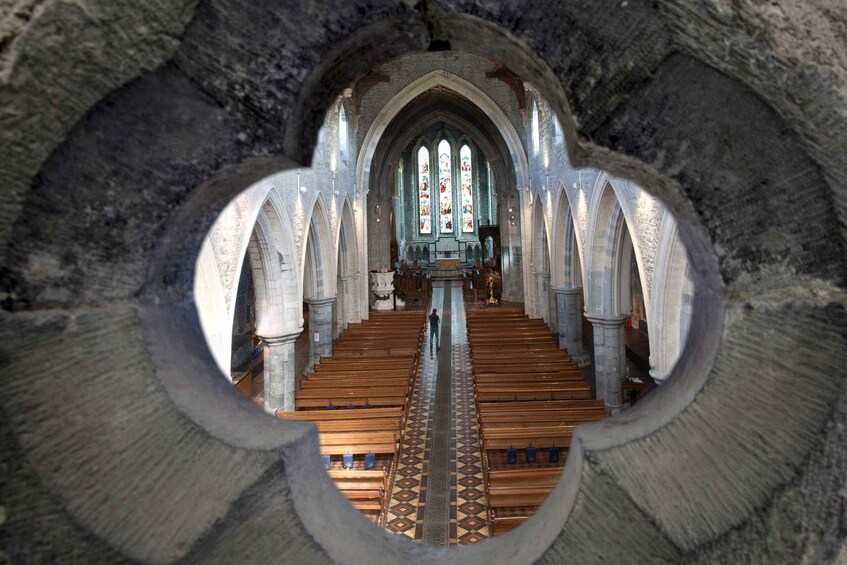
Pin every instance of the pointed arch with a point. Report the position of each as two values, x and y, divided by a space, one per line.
265 239
608 242
347 244
318 265
461 87
672 301
540 263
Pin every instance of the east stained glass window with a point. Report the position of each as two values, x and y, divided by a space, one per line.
445 188
424 192
467 189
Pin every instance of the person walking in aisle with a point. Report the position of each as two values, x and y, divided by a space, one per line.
434 334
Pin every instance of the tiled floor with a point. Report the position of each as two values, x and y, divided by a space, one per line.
472 521
406 485
407 512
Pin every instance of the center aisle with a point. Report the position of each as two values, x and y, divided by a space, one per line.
437 493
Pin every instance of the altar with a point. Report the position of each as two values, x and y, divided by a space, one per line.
448 264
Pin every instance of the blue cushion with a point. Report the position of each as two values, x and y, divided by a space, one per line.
554 455
330 407
512 456
325 460
347 461
530 454
370 461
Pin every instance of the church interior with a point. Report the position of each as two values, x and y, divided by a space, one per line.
458 154
424 282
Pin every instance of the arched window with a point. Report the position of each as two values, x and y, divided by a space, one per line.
467 189
536 133
342 134
445 188
424 192
558 134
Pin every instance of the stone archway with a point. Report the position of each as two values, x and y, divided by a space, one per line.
540 266
319 282
733 467
609 254
260 216
347 301
673 297
567 281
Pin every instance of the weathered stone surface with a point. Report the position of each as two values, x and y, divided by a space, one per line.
125 446
58 59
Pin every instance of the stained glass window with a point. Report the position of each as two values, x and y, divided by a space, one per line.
445 188
467 189
424 192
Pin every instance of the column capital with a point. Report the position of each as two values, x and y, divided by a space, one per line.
282 339
608 321
571 291
319 301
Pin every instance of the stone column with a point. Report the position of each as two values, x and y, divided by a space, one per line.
609 358
658 375
320 321
546 303
541 294
569 319
351 299
279 371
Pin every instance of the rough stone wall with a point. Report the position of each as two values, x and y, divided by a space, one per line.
119 444
50 77
404 70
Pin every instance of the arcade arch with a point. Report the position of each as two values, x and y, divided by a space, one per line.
687 525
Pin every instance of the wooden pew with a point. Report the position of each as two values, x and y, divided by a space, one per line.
500 392
365 489
357 443
366 396
538 406
523 437
521 487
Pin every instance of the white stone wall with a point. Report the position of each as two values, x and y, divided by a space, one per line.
565 190
544 179
284 205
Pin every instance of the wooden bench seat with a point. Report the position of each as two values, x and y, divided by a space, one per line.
344 414
342 381
500 394
502 524
521 438
375 351
366 490
521 487
528 378
533 420
538 406
357 443
385 399
526 367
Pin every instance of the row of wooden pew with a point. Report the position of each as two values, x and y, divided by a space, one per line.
530 397
358 398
